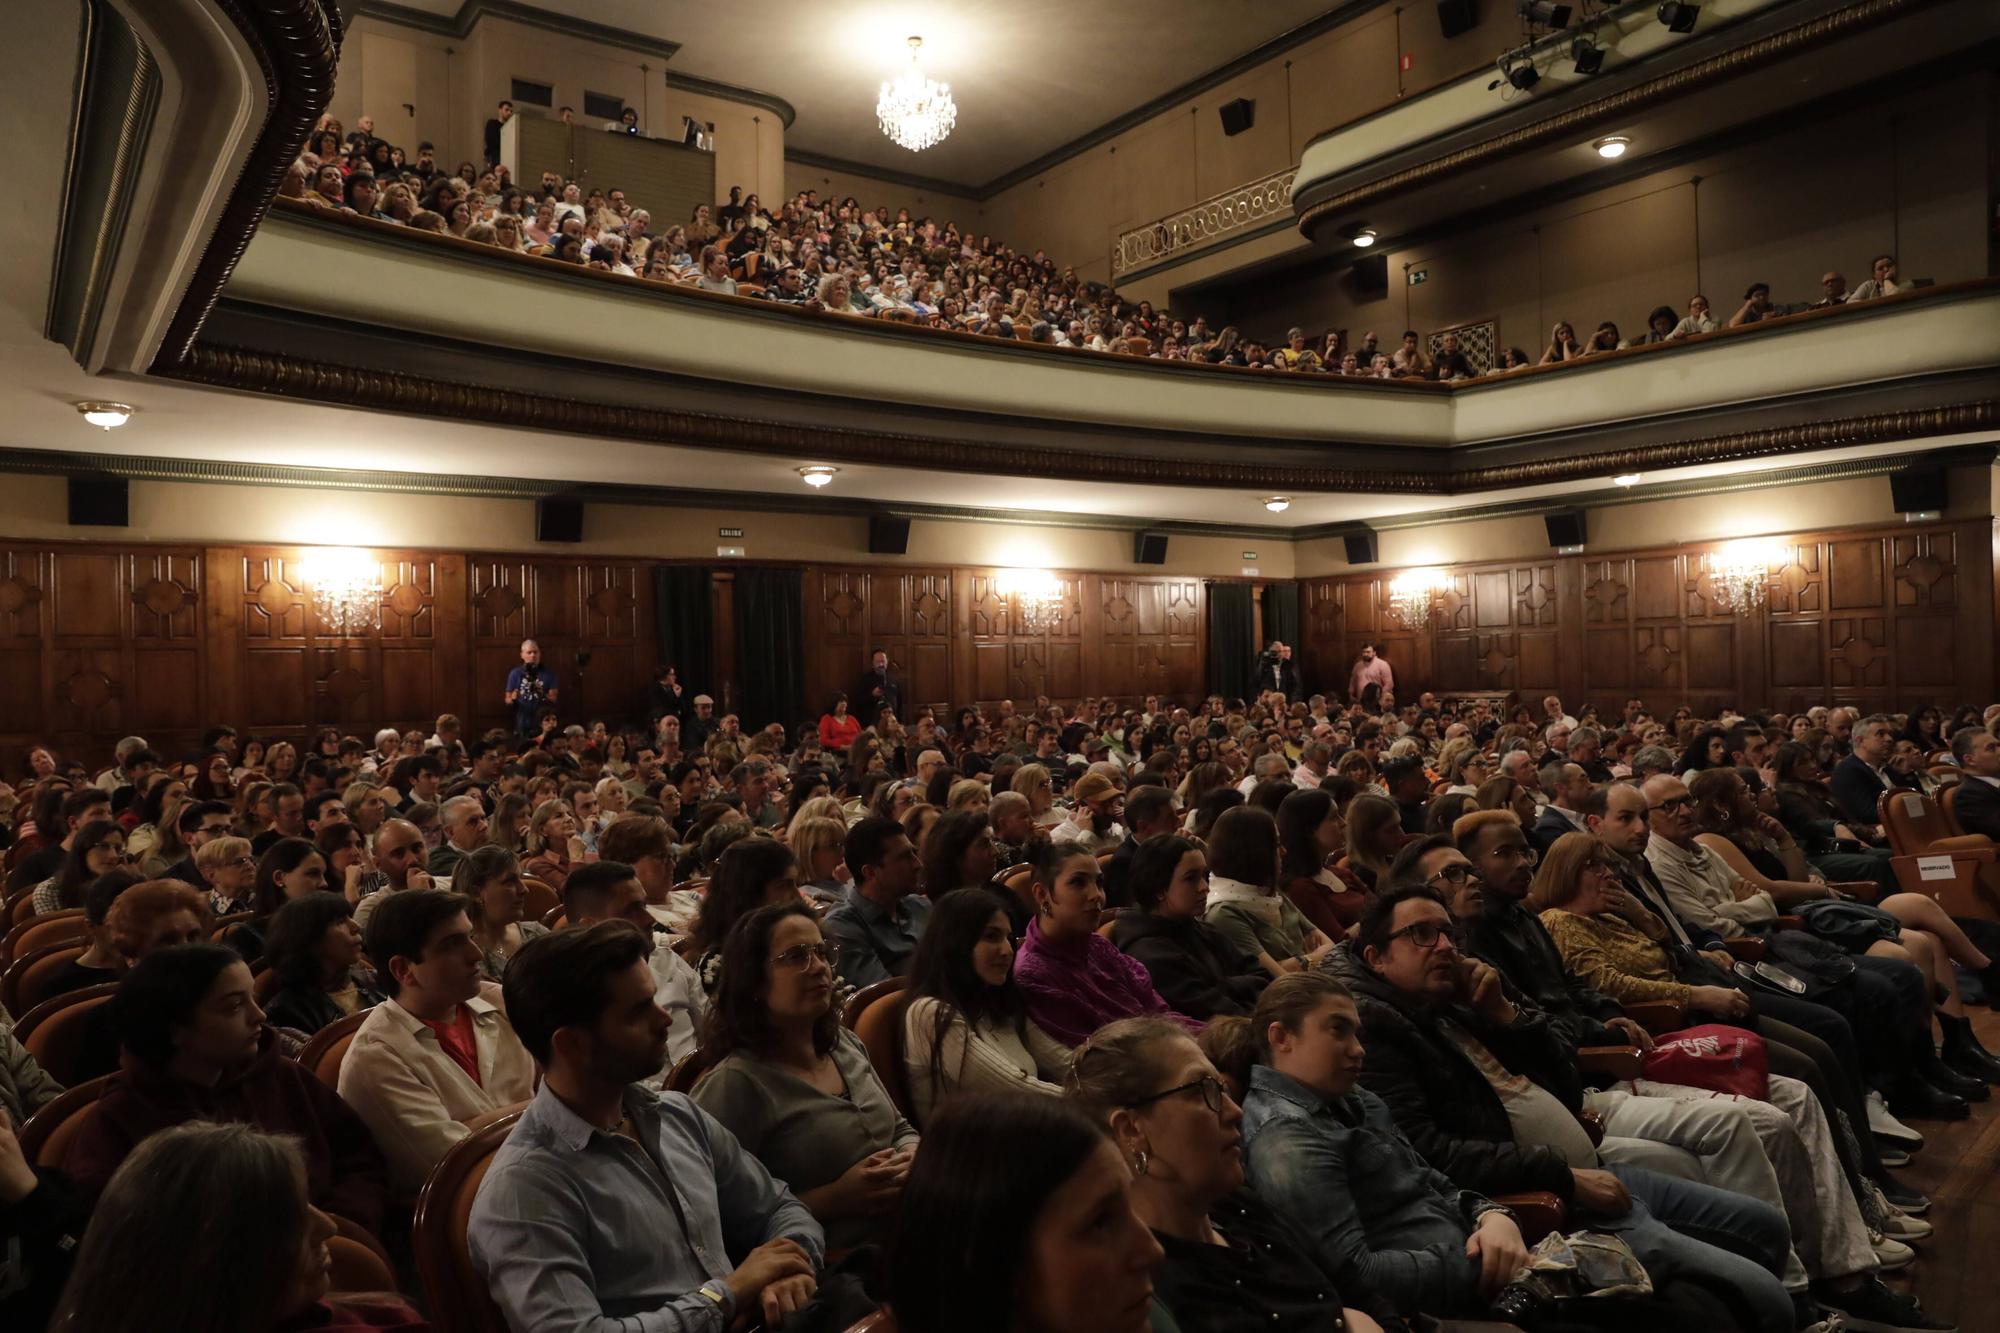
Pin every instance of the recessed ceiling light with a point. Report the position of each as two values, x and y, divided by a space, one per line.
1612 145
1278 504
817 475
1626 479
107 416
1364 237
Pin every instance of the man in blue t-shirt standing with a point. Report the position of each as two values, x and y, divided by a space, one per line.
531 687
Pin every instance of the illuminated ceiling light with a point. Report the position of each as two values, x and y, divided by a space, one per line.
1544 13
1626 479
1278 504
1678 15
1588 55
914 111
105 416
346 587
1364 237
1612 146
817 475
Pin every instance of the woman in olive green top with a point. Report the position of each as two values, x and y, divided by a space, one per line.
1244 905
796 1088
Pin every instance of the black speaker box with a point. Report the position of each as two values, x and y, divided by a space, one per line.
1913 488
1565 527
99 502
1238 116
1361 549
558 520
1370 277
888 535
1458 17
1149 548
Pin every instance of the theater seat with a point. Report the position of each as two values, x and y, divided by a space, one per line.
356 1267
1614 1063
542 899
1748 949
54 1031
1657 1016
867 995
683 1076
64 927
1934 858
879 1024
328 1047
459 1299
882 1321
1538 1212
224 924
27 977
48 1132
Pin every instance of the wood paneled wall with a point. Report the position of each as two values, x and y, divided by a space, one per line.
1881 617
98 640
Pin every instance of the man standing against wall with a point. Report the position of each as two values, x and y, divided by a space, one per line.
530 688
1370 669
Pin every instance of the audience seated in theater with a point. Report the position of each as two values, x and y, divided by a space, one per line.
794 1086
1092 823
1488 1094
398 854
1194 966
250 1247
200 822
1698 319
438 1053
957 853
1233 1262
1858 780
1245 905
288 868
95 848
43 854
489 879
313 949
100 960
142 920
42 1217
611 1203
611 891
1977 805
465 828
1075 979
1374 836
878 923
753 872
196 1048
966 1028
1025 1202
230 869
1149 813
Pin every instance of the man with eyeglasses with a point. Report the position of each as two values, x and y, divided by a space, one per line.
200 823
1484 1090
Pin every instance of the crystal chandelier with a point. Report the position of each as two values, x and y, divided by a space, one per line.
915 111
346 589
1037 593
1739 574
1413 593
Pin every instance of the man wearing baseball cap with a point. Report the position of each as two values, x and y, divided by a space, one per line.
1093 817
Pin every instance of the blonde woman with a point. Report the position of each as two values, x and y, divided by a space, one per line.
366 806
819 842
554 844
969 794
1033 781
510 824
231 872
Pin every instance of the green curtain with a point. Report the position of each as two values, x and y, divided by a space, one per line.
771 646
1232 640
1281 615
684 623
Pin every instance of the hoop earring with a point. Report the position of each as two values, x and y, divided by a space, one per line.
1139 1163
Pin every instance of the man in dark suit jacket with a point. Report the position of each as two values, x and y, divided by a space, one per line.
1567 786
1277 671
1857 781
1977 804
881 688
1149 812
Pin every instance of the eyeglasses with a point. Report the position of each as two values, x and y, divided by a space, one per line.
1673 804
799 957
1452 874
1426 934
1211 1094
1600 868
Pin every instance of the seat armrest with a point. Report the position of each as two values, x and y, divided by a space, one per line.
1657 1016
1615 1063
1747 950
1538 1212
1789 923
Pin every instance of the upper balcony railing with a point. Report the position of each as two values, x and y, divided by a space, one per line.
1203 224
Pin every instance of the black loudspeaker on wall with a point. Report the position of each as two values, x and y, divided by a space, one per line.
1149 548
888 535
1361 548
1238 116
1458 17
1916 489
1370 276
99 502
1566 527
558 519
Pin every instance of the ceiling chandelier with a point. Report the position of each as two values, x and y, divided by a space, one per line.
1414 593
915 111
1037 594
346 589
1740 573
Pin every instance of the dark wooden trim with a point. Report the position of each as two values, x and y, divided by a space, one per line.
461 24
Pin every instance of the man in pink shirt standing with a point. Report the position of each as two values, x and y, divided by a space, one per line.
1370 669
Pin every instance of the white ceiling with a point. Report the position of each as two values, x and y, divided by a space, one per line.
1028 75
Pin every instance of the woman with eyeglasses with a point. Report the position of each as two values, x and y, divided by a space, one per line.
97 849
231 872
794 1086
1232 1262
1034 782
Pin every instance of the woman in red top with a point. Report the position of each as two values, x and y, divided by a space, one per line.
837 728
1311 834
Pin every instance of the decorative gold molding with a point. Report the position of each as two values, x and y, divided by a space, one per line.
291 377
1194 227
1576 121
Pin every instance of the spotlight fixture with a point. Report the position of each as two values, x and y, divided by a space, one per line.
1523 75
1278 504
105 416
1679 15
817 475
1364 237
1588 55
1545 13
1611 146
1626 479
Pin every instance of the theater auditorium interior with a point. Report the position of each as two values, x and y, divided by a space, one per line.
1062 666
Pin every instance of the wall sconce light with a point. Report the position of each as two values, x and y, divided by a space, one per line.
346 587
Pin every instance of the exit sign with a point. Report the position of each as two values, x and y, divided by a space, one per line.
1409 62
1419 276
729 532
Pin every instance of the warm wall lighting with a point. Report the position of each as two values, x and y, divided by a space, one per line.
817 475
346 586
1739 572
1627 479
1612 146
1413 593
105 416
1038 594
1278 504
